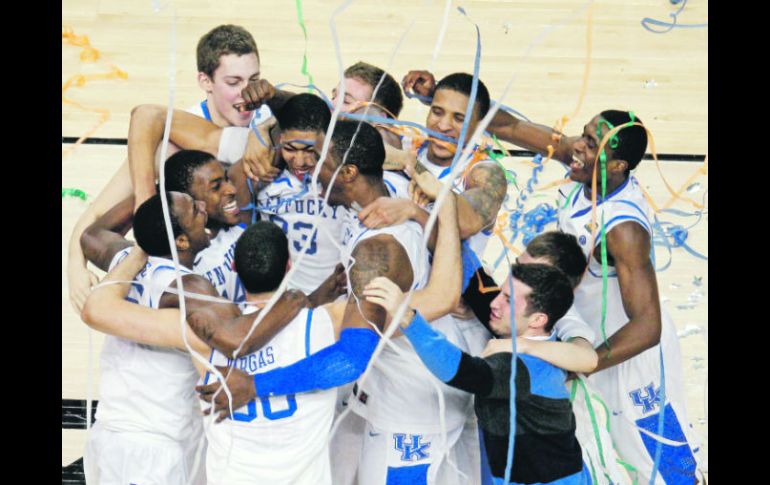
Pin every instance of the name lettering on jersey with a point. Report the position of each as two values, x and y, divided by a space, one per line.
280 205
253 362
411 450
647 397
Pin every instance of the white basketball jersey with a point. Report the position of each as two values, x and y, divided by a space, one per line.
478 241
281 439
397 393
144 388
216 264
289 203
624 204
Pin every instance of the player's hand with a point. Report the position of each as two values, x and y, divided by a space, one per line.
80 281
421 83
428 184
382 291
255 94
332 287
259 155
241 386
387 211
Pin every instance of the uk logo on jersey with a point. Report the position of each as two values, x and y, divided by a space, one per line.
647 397
411 451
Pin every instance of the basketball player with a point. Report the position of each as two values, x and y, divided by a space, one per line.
129 444
227 58
546 450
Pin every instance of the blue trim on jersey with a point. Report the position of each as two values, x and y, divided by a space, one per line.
308 324
242 225
283 179
599 200
622 218
575 199
677 463
550 379
390 186
644 214
358 238
407 475
205 109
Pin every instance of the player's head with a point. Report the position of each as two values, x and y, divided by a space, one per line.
541 296
188 225
447 111
227 60
623 150
558 249
358 152
360 81
202 176
261 257
302 118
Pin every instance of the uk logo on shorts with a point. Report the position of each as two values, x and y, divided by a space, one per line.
648 397
411 451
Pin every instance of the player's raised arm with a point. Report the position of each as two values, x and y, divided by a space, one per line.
104 238
442 293
629 245
145 134
478 206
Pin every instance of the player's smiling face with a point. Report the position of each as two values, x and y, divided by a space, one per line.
446 116
356 91
226 83
298 151
584 153
211 186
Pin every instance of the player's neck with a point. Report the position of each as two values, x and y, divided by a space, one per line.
368 192
441 162
186 258
216 117
259 299
612 185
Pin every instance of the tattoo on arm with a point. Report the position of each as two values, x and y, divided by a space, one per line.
487 189
371 261
419 167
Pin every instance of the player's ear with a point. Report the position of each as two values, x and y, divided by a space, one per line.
288 265
538 320
617 166
182 242
348 173
205 82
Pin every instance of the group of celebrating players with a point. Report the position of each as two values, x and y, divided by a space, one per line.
249 211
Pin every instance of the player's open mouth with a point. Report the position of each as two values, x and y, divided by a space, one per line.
576 164
232 208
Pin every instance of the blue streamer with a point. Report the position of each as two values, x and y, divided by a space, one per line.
672 25
512 384
534 221
474 89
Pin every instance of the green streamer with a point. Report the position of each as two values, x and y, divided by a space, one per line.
301 21
73 193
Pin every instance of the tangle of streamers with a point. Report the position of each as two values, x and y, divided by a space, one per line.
88 54
669 26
